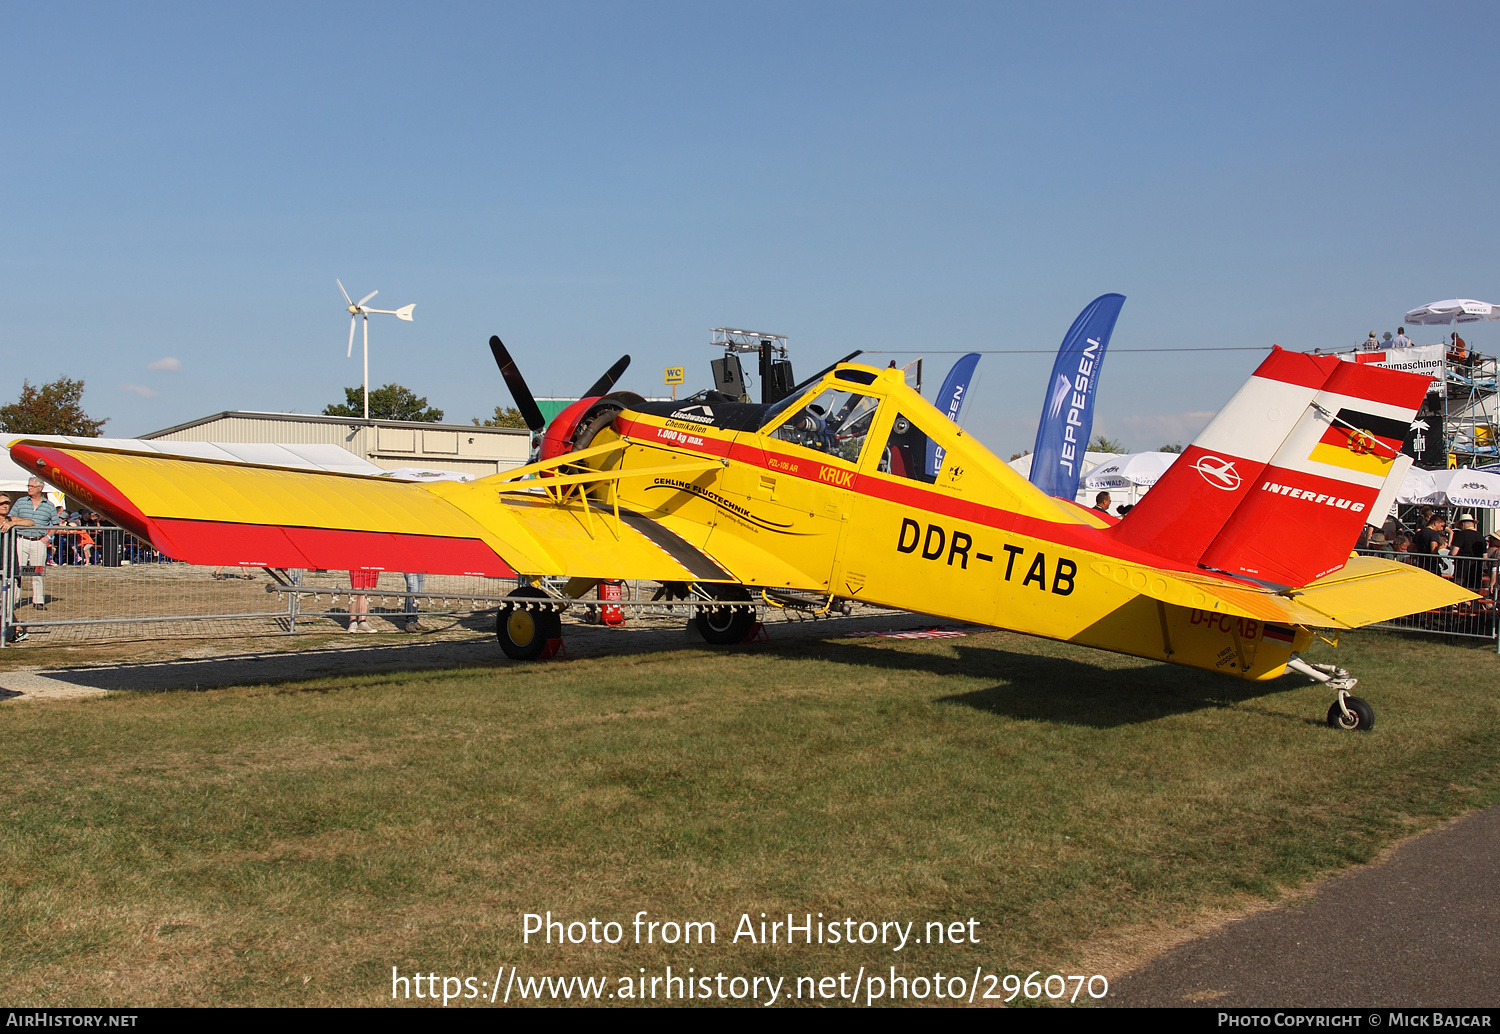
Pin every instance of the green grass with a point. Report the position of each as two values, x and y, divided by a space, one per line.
290 844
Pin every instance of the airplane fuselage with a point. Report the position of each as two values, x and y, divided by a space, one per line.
964 538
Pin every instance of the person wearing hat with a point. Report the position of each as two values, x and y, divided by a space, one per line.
1372 343
1468 548
1379 545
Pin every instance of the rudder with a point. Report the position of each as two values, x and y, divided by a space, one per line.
1277 487
1185 511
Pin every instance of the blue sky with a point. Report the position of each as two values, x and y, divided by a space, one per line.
585 180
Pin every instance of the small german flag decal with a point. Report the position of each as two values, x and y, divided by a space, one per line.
1279 634
1361 441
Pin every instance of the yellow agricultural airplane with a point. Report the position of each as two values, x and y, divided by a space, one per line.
1235 561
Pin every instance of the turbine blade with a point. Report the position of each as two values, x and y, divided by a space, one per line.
530 411
342 291
350 353
404 313
367 297
603 384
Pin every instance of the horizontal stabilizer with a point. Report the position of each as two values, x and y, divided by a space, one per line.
1365 591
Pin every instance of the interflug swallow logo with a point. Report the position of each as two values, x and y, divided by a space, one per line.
1218 472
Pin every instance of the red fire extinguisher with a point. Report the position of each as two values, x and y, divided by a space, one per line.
611 590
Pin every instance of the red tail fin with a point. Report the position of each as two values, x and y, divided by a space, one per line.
1279 484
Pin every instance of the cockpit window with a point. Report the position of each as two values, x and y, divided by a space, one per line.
835 423
909 453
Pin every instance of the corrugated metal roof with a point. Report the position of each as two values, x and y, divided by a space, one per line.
343 421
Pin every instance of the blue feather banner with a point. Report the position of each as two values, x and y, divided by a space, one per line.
1068 410
951 400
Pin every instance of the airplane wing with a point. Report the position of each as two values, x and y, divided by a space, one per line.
207 511
1366 590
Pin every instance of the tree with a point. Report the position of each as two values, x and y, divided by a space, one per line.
389 402
55 408
1103 444
505 416
1174 447
1018 455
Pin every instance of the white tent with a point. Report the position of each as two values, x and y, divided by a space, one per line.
13 480
301 457
1450 310
333 458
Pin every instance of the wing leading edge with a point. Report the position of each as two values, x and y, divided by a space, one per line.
210 512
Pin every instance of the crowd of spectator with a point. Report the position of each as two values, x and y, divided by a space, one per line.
80 537
1461 553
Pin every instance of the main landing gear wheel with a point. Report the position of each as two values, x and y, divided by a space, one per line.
730 625
523 633
1360 716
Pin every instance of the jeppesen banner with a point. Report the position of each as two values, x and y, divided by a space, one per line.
951 400
1068 410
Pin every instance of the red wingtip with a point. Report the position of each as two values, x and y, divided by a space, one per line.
76 479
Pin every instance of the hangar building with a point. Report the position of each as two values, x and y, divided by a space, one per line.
391 444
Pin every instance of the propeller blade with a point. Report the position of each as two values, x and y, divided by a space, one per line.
404 313
603 384
530 411
819 375
342 291
367 297
352 320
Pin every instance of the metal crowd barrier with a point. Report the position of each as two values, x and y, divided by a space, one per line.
114 583
122 585
1473 620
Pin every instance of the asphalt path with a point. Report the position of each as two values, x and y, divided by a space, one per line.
1420 929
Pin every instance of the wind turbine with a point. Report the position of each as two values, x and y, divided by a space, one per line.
356 310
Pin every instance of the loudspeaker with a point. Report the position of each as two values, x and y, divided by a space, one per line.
729 376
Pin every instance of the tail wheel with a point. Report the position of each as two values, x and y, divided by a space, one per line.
1361 716
523 633
729 625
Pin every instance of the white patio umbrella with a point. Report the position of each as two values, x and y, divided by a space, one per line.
1022 465
1464 488
1135 470
1416 487
1450 310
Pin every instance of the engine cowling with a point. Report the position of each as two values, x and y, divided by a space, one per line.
558 439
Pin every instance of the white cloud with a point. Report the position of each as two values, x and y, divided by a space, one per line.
165 363
141 390
1148 432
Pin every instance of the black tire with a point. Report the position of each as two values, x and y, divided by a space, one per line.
730 625
1364 715
523 633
